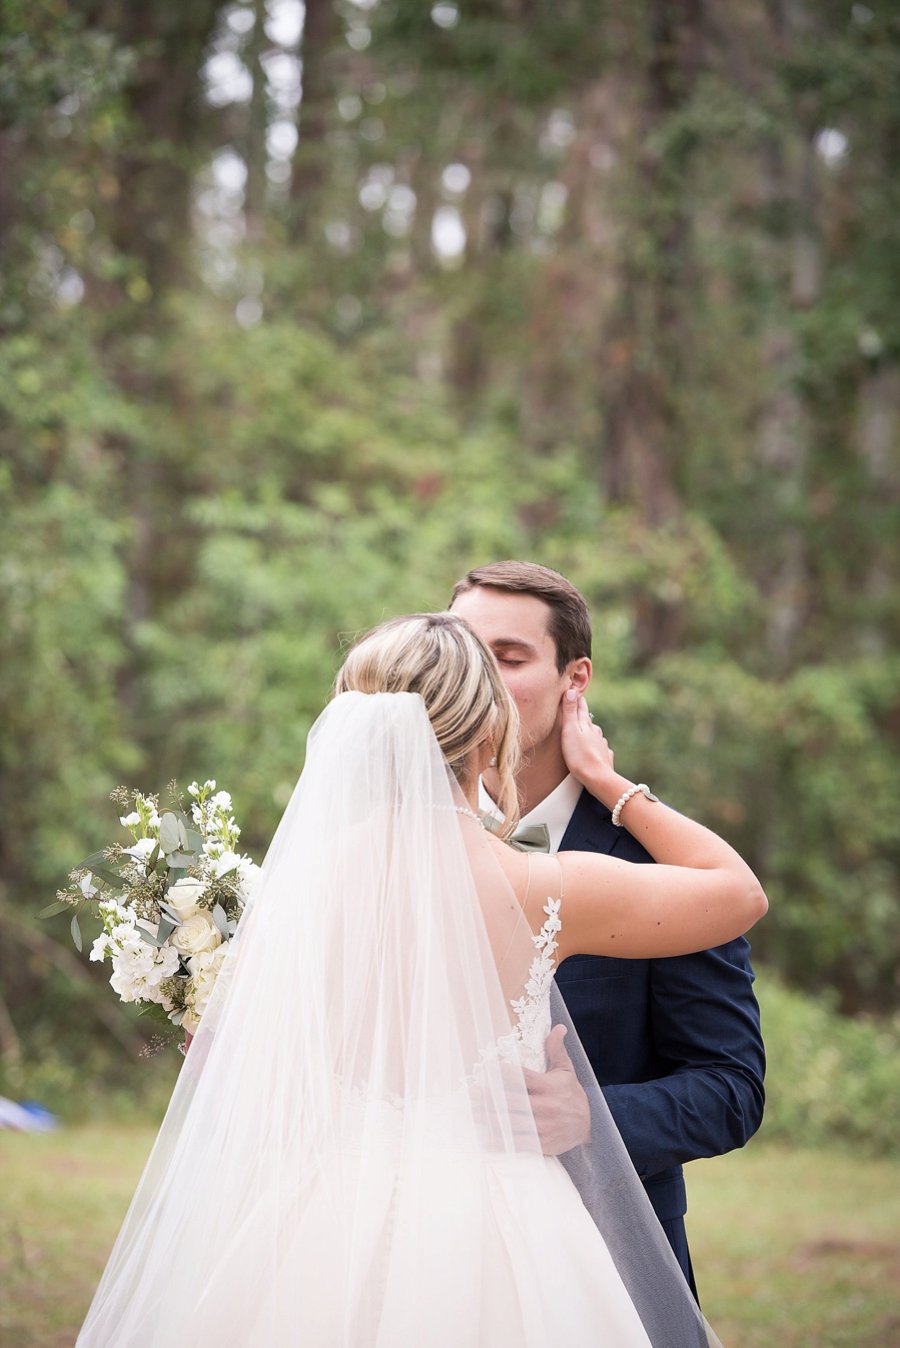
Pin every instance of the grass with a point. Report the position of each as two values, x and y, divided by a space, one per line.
62 1200
799 1249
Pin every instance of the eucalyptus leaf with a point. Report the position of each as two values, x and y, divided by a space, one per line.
76 932
100 868
180 860
93 861
193 841
154 1011
166 927
169 833
220 919
53 908
170 912
149 935
182 836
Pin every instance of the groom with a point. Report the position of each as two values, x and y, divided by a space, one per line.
674 1043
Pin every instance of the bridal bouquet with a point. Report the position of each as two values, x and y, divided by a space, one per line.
169 903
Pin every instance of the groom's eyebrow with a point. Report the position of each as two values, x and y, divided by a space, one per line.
512 643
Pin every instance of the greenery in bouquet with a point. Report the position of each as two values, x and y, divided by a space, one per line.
169 903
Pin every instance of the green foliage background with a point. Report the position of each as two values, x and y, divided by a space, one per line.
240 423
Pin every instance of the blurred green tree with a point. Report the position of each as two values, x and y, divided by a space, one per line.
301 315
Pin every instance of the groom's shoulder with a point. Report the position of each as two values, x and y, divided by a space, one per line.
591 829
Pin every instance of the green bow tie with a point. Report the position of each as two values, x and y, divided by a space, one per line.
527 837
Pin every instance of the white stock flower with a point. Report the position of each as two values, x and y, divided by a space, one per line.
108 907
184 897
227 861
197 935
141 849
88 889
222 799
130 820
250 878
139 968
121 937
101 947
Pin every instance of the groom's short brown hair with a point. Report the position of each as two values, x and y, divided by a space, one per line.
570 621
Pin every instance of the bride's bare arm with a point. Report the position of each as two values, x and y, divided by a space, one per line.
701 893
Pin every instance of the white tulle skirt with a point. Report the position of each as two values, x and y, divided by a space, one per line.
511 1259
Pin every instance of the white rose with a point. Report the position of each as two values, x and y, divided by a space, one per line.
183 897
199 933
204 972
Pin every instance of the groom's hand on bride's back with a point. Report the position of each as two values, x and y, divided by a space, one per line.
562 1112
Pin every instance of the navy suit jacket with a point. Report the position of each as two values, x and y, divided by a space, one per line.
675 1043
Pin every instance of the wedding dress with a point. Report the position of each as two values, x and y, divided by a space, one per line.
349 1159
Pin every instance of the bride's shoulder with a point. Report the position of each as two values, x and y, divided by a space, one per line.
513 863
529 873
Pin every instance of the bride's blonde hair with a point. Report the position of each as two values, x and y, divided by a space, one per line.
438 656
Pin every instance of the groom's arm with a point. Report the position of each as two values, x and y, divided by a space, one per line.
705 1026
704 1023
703 1019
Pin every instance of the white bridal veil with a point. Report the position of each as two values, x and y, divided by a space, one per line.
349 1158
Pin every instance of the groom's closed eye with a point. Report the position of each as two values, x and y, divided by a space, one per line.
511 652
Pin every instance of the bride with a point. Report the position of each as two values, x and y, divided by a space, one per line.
349 1157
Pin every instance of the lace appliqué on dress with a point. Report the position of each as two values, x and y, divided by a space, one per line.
525 1043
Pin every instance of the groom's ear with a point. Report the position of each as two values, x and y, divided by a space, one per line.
579 673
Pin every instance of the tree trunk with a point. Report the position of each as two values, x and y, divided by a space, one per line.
311 158
785 427
257 124
640 444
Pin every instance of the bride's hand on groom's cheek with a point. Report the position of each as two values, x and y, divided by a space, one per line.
585 749
562 1112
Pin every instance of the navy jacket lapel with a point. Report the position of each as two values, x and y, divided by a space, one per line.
591 828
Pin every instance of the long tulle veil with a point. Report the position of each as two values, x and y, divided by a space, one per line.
328 1168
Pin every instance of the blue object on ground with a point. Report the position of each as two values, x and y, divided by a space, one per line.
28 1117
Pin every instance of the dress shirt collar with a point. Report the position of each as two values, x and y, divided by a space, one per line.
554 810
